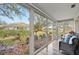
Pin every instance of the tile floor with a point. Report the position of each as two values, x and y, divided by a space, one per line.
53 49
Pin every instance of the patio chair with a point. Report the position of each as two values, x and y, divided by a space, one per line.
70 49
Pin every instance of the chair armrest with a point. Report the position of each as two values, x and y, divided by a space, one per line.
65 46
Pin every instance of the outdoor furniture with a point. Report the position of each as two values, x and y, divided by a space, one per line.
70 49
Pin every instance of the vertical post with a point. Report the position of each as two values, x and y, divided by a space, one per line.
77 24
56 24
52 35
47 36
52 31
74 24
57 29
64 27
31 41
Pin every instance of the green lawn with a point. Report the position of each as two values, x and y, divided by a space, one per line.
7 42
3 33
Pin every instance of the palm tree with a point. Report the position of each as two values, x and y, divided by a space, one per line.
41 23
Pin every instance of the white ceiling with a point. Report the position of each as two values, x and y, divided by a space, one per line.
59 11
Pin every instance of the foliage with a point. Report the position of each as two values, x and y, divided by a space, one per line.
12 33
8 32
11 10
7 42
41 23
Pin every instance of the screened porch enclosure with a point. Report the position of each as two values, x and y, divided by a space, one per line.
30 29
23 30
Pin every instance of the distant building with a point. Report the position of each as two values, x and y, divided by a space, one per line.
15 26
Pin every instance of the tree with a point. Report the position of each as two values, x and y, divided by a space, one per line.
11 10
41 23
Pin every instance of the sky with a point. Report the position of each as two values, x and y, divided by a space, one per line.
16 19
24 18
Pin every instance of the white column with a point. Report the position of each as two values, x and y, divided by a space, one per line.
47 36
76 24
52 31
31 41
55 25
57 30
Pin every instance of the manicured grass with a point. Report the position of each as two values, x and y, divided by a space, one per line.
3 33
23 35
13 32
